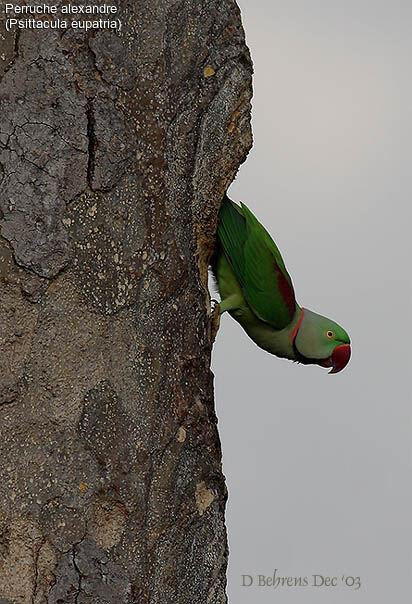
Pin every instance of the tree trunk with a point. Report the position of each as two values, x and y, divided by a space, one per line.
115 151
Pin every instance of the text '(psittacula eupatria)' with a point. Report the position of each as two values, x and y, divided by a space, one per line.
257 291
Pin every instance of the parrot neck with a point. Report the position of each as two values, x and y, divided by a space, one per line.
295 329
278 342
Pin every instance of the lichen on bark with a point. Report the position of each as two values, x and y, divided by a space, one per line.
115 151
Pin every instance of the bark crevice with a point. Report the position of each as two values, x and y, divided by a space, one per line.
91 142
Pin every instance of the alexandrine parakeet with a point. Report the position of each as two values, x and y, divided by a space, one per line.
257 291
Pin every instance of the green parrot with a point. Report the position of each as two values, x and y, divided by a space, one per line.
256 289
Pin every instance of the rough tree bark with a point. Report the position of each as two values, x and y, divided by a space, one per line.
115 150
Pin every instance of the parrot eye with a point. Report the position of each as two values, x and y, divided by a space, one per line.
330 333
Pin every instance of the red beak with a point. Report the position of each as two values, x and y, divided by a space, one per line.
340 358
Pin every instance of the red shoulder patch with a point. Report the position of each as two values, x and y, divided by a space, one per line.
286 291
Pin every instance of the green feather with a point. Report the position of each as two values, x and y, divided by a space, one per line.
257 264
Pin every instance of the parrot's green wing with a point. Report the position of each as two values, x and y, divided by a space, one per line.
257 264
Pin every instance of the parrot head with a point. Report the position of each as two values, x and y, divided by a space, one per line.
319 340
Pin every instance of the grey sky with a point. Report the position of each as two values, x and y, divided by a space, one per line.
318 466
